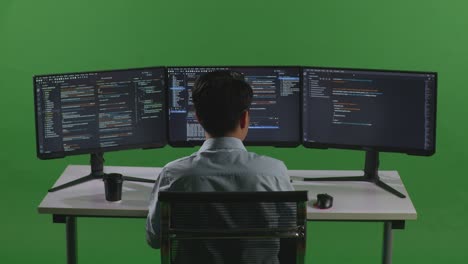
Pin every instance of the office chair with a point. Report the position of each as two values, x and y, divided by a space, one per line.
233 227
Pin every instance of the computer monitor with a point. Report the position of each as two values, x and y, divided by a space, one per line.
96 112
372 110
274 112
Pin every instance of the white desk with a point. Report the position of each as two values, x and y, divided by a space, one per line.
353 201
356 200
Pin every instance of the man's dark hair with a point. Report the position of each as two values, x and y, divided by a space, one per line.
220 98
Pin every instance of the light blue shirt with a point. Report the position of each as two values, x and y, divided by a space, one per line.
221 164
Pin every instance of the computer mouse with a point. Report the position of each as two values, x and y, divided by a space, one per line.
324 201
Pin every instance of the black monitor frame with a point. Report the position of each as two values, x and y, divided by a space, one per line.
409 151
194 143
107 149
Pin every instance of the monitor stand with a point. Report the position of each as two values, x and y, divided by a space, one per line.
97 173
371 174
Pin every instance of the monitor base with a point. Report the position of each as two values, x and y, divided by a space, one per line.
97 173
370 174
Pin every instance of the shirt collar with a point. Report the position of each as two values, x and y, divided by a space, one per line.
222 143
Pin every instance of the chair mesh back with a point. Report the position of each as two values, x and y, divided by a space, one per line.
233 215
235 251
243 245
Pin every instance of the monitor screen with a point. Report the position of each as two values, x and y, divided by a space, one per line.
89 112
369 109
274 112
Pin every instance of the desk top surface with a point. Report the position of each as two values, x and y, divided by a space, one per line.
352 200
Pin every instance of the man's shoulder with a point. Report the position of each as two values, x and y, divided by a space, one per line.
269 172
179 163
264 158
266 161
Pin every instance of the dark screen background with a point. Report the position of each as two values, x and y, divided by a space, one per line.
274 113
112 110
368 108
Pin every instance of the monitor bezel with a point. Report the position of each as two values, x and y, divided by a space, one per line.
62 154
409 151
195 143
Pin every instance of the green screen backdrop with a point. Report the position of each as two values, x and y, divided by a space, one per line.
52 36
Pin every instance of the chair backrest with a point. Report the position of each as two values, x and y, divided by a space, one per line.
233 227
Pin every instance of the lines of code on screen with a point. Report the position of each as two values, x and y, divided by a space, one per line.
369 108
100 110
274 112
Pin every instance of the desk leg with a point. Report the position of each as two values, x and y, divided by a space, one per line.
387 243
71 240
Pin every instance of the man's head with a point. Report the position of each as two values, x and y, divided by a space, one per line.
222 100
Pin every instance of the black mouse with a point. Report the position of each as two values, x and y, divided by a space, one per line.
324 201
